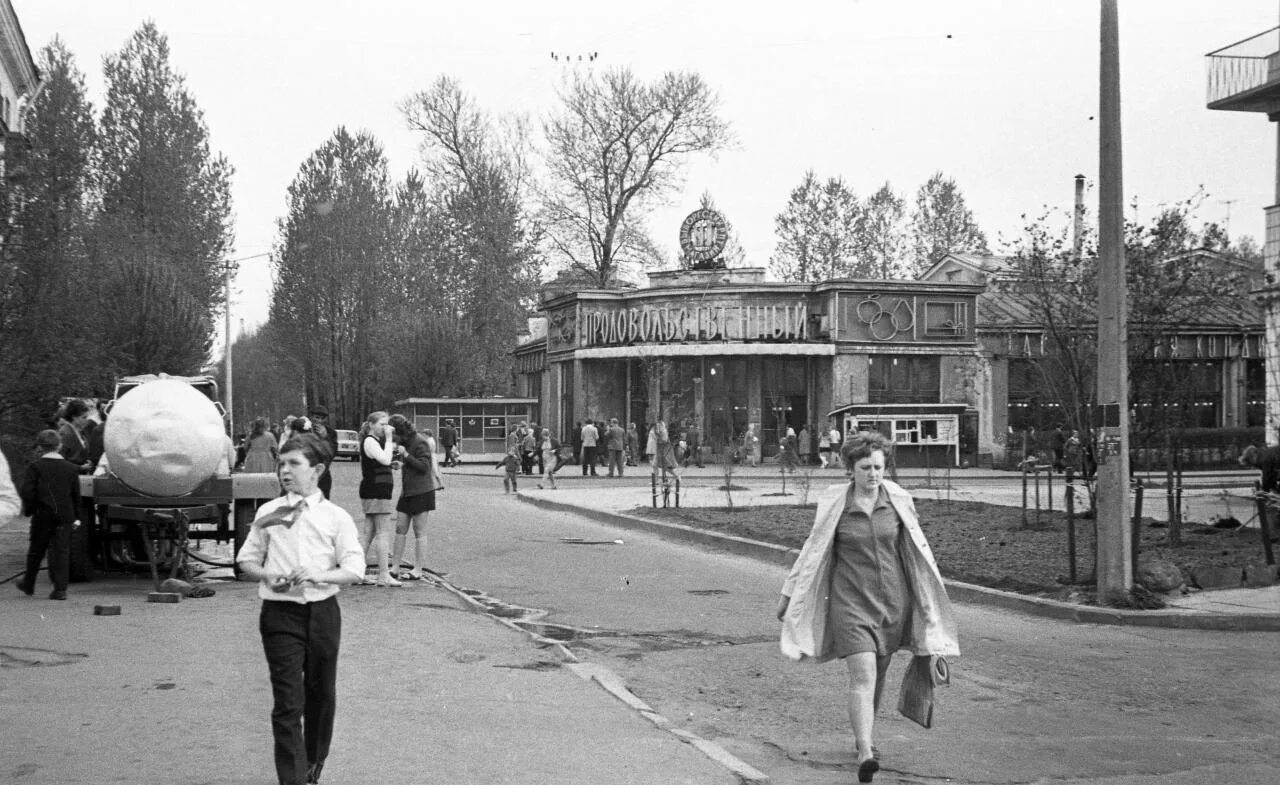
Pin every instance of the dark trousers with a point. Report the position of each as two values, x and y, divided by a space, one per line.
588 460
301 644
52 538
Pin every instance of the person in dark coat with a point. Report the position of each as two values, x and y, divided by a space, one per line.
694 437
320 427
448 440
577 442
51 494
75 442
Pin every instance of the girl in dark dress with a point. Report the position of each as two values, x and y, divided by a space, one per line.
420 480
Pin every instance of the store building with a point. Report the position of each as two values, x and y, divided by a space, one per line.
724 351
482 423
1245 77
20 81
1220 350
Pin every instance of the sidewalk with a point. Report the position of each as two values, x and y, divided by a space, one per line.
1224 609
427 692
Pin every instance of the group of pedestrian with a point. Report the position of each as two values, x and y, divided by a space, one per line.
388 442
303 547
864 586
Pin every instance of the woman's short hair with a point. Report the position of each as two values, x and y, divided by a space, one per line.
75 408
401 425
860 444
259 427
313 448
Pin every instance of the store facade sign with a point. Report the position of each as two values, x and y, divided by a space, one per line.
599 326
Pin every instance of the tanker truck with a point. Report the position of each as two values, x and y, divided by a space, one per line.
164 479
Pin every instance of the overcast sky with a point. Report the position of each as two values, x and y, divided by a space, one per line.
1002 97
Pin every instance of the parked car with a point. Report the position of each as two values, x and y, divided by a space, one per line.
348 445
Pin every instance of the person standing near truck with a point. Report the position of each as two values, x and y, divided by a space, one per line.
75 444
301 548
320 426
51 493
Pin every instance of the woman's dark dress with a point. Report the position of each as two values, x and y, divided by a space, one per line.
870 606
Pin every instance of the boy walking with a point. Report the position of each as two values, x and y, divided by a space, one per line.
51 493
301 548
511 462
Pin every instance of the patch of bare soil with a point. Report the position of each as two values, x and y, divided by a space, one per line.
989 544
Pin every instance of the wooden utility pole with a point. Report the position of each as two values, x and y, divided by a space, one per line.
1114 574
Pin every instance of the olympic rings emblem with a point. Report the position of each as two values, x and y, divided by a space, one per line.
885 323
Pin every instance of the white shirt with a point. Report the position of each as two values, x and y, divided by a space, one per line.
382 453
590 435
323 537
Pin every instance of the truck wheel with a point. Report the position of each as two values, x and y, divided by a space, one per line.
81 568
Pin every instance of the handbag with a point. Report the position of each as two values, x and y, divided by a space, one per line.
915 701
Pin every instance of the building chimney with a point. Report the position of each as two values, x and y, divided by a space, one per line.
1077 223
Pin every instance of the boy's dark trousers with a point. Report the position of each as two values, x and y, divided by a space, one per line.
301 644
54 538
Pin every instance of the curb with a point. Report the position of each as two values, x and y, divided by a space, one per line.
963 592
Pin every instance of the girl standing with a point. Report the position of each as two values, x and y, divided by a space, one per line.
376 485
419 482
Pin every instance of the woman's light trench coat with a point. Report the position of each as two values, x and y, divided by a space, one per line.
804 625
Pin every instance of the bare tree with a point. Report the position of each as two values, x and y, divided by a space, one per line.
466 231
615 148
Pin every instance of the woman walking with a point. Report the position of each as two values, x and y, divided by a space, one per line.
419 482
550 458
261 454
376 484
864 586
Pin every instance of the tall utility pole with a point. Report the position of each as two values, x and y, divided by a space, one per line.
231 416
1115 573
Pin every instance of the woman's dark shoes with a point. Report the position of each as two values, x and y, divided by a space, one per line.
25 589
867 769
57 594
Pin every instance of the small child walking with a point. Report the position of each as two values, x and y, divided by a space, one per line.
51 493
511 463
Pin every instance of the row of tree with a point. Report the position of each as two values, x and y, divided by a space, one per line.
114 230
826 231
385 291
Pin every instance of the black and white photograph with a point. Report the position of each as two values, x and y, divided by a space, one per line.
565 393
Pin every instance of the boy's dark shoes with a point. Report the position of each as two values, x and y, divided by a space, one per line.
25 589
57 594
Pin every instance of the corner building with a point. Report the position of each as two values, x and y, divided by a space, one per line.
723 350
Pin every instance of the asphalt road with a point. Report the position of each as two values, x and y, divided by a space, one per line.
689 630
1033 700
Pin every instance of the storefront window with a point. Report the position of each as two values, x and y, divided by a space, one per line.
1178 394
904 379
1255 394
725 387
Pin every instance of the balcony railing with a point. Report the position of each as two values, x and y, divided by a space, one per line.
1244 65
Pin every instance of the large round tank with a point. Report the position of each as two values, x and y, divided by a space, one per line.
164 438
